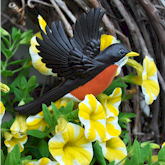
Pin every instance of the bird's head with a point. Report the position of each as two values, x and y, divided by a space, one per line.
115 54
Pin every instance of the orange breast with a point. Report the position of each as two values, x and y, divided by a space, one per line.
98 84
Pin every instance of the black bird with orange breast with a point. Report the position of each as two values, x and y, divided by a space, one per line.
85 68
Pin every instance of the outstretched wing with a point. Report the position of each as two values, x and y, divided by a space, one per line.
86 34
71 58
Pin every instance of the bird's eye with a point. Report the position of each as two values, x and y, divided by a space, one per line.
121 51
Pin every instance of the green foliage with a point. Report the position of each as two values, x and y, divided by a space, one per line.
98 154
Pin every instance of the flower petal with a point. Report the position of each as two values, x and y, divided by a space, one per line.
92 115
15 138
113 128
114 150
19 124
2 108
43 161
71 147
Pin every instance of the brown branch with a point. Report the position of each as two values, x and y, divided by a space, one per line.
155 20
13 21
136 36
67 25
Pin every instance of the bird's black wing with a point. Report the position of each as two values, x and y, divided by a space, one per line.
87 34
71 58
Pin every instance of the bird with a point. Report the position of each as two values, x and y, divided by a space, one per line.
78 60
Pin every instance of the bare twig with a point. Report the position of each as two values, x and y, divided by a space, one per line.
138 41
31 5
137 126
83 5
13 21
124 37
66 10
64 20
106 20
155 20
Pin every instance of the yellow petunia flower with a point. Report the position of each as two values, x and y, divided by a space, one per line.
19 124
111 103
61 126
114 150
92 116
11 139
2 108
71 147
146 78
43 161
113 128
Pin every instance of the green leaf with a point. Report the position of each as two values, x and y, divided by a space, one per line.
4 32
2 157
16 34
17 62
69 107
112 163
31 81
6 41
7 73
73 115
145 152
8 53
18 94
161 154
43 148
62 110
47 115
10 159
4 124
98 154
27 34
116 83
150 157
24 72
55 112
37 133
24 83
28 99
10 122
137 154
16 152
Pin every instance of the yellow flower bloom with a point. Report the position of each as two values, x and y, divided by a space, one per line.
19 124
11 139
71 147
114 150
146 78
113 128
2 111
92 116
111 103
61 126
4 88
43 161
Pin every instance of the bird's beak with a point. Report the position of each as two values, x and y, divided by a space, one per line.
132 54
